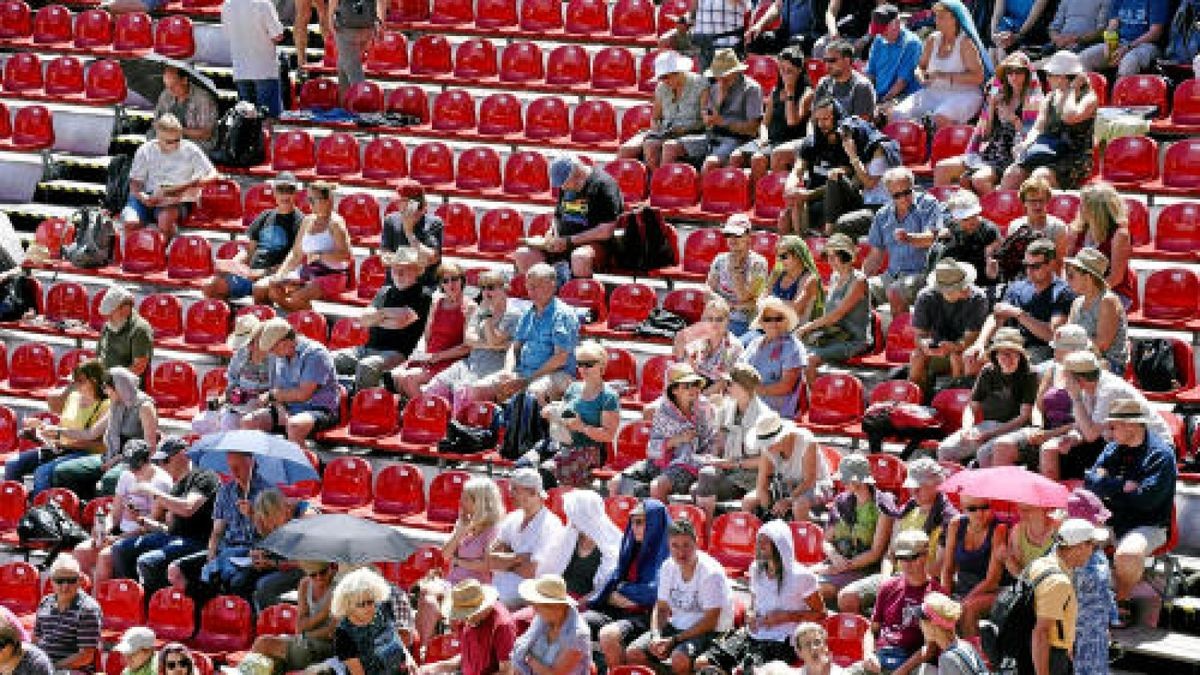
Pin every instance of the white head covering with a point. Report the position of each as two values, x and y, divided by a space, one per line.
585 513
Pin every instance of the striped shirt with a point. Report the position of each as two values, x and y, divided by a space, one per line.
63 633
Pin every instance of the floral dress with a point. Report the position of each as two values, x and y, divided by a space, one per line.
1097 610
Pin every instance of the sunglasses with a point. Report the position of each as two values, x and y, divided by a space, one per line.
489 288
446 280
785 256
363 604
587 364
637 520
909 558
173 664
831 59
771 319
1034 266
64 581
902 194
714 319
977 508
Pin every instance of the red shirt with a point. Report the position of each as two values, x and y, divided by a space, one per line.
898 613
484 646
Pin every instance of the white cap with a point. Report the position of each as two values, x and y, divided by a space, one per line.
114 297
671 62
136 639
1077 531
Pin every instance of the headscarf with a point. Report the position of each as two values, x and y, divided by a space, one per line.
798 247
585 514
967 25
780 534
122 409
639 584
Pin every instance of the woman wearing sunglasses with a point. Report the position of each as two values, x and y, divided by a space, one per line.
16 654
318 264
366 640
313 641
176 659
591 412
974 562
444 341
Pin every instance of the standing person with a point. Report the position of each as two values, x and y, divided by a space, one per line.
414 226
1093 587
557 641
68 620
303 15
738 275
679 97
1055 603
268 240
901 233
254 30
354 23
318 264
895 54
710 25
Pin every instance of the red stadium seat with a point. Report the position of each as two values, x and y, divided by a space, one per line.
399 490
174 385
586 17
540 224
541 16
1130 160
31 366
347 332
346 483
278 619
226 624
1178 229
384 159
173 615
64 76
901 339
768 195
445 493
263 312
19 589
618 508
587 293
65 301
53 233
635 120
568 65
32 128
734 540
1181 166
630 174
431 56
144 252
725 191
669 11
164 313
700 249
12 493
1099 84
835 399
547 117
104 82
122 602
654 372
16 21
500 115
630 445
206 322
899 391
213 383
888 471
425 419
61 496
594 121
674 186
173 37
23 72
387 53
1002 207
374 413
189 257
409 99
1064 205
293 151
364 97
1185 107
66 365
950 141
912 139
522 62
846 634
633 18
220 200
361 213
310 324
52 24
629 305
495 13
478 169
258 198
458 225
1139 220
693 514
526 173
1140 90
950 404
630 670
424 560
620 370
431 163
371 275
133 32
764 71
686 302
614 68
475 59
93 28
1170 295
452 12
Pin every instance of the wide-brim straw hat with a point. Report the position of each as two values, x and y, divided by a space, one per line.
780 306
1063 63
467 599
549 589
1093 262
724 62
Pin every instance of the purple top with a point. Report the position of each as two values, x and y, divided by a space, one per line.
472 547
1056 407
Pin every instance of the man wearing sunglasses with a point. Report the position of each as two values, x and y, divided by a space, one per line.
68 620
903 229
895 621
165 179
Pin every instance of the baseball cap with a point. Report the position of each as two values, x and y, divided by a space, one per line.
882 17
911 543
136 639
168 448
560 171
1077 531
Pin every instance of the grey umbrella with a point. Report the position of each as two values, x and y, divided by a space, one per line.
143 76
338 538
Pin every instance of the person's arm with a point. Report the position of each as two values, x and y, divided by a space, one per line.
949 564
995 571
214 539
808 295
1041 645
1108 322
354 666
767 19
1118 264
184 507
1044 330
1023 419
858 290
149 418
874 262
1031 21
809 469
785 385
1038 125
831 19
922 69
567 662
1078 105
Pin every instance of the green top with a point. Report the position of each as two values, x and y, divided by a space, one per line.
120 347
853 539
150 667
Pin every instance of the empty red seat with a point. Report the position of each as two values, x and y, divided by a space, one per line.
1185 106
384 158
725 190
586 17
632 440
1130 160
688 303
31 366
374 413
629 305
293 150
337 155
105 82
495 13
189 257
226 625
174 385
144 252
425 419
452 12
1002 206
310 324
654 370
1181 166
64 76
526 173
594 121
912 139
475 59
633 18
735 540
122 603
454 110
173 37
364 97
93 28
1141 90
700 248
278 619
541 16
846 632
901 339
950 404
1178 229
445 493
1170 295
23 72
361 213
432 163
635 119
568 65
133 31
19 589
835 399
206 322
16 21
674 185
399 488
319 94
347 332
172 613
500 114
768 195
346 483
220 200
67 300
431 56
614 68
164 313
371 275
585 293
1064 205
630 174
764 71
620 371
409 99
950 141
458 225
522 62
387 53
51 24
500 230
546 117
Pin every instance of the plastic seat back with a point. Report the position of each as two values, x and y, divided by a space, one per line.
734 539
629 305
809 541
399 489
67 300
387 53
1185 106
724 191
384 158
846 632
189 257
371 275
52 24
173 615
594 121
144 252
478 169
687 303
16 21
568 65
635 120
540 16
618 508
174 385
950 141
950 404
431 163
613 68
458 225
901 339
547 117
1141 90
586 17
226 624
105 82
64 497
19 589
1130 160
23 72
425 420
630 175
122 603
278 619
361 213
173 37
495 13
346 483
912 139
1181 166
701 248
522 62
1178 228
431 56
764 71
409 99
93 28
33 128
674 185
293 151
1002 207
654 372
526 173
347 332
64 76
500 115
899 391
454 110
836 399
445 494
364 97
1170 295
164 313
133 32
768 195
586 293
31 366
310 324
374 413
8 443
206 322
452 12
475 59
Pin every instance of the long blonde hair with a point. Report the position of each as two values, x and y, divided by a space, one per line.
1101 212
488 504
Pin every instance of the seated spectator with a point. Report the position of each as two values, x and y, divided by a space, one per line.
1139 26
487 635
557 640
1093 588
858 532
184 660
1011 109
318 265
1001 400
1103 224
367 640
619 611
782 593
186 527
1077 25
1055 603
679 97
739 275
796 279
792 474
194 107
898 646
247 378
586 553
233 532
304 397
1035 194
1097 308
974 562
970 238
132 415
682 433
1036 305
695 605
1016 26
812 645
82 421
784 121
939 618
127 339
274 576
137 651
733 470
813 193
591 412
799 25
843 330
488 333
165 179
895 55
526 537
1058 148
268 241
585 220
947 318
444 341
414 226
851 89
1135 476
1029 539
732 116
395 322
315 625
480 510
954 66
708 346
17 653
903 230
131 511
856 190
778 356
67 625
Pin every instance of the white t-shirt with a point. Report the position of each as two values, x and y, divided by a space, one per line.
252 26
161 480
537 539
154 167
769 597
689 600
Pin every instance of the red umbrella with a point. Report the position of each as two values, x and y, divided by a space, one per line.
1008 483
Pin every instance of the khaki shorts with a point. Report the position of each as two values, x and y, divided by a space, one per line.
907 284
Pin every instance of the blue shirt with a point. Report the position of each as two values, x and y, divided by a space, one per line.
771 358
541 333
798 16
1054 301
926 215
890 62
1137 16
1150 465
239 528
311 363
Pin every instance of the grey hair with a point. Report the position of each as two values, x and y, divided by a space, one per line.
168 122
541 271
962 199
363 582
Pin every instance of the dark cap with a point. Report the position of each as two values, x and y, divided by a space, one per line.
793 55
137 453
168 448
882 17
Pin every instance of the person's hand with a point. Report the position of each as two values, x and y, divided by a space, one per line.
148 199
973 353
901 236
781 507
849 145
711 118
837 173
259 559
1003 39
661 647
1131 486
1036 437
556 244
871 664
1072 387
1118 54
574 424
1005 311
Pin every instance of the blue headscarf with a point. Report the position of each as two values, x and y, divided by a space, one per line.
967 25
648 557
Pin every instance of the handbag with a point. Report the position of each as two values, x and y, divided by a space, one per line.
829 335
1043 152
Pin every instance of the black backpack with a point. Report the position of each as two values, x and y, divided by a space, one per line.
1010 257
95 239
240 137
1013 618
18 295
1154 364
660 323
49 525
644 243
116 189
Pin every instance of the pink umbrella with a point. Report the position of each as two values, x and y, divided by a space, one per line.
1008 483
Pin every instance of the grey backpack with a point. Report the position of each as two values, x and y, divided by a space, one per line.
95 237
356 14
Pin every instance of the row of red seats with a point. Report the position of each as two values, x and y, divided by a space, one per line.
65 80
94 31
627 21
30 128
1131 163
